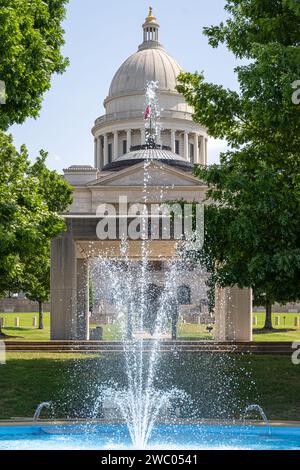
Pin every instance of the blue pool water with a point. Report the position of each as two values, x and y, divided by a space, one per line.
113 437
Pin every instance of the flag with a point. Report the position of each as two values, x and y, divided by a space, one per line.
147 112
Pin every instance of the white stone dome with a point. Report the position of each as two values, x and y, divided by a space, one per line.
122 127
145 65
150 63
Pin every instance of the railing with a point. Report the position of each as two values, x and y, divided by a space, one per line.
138 115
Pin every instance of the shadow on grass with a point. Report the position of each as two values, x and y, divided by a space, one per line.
5 336
19 328
260 331
215 384
195 338
218 385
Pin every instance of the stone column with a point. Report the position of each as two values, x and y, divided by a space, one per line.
202 150
196 149
159 138
101 156
128 140
233 312
143 136
173 141
83 308
96 153
206 151
105 150
116 145
63 288
99 151
186 145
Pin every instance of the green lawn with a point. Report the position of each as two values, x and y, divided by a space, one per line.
111 332
26 332
286 331
185 331
218 386
189 331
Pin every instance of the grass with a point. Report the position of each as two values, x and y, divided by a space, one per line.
26 332
189 331
111 332
218 386
29 379
185 331
286 331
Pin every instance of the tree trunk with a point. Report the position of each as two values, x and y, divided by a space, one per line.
174 324
129 323
41 316
268 322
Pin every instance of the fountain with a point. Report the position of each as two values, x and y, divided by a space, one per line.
41 406
140 403
260 411
152 116
135 414
143 310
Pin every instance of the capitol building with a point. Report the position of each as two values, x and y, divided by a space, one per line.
117 171
122 125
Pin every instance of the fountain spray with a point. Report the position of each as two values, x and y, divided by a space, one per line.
152 116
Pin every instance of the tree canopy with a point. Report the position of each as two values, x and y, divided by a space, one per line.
252 225
28 211
31 196
31 37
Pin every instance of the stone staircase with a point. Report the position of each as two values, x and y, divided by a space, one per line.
105 347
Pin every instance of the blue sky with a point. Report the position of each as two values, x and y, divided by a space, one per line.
99 37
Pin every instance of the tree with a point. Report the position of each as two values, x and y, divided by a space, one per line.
31 38
57 195
254 240
253 223
36 284
30 198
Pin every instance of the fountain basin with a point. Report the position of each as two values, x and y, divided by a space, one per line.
164 436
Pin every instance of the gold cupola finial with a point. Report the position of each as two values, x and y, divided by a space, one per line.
150 16
150 28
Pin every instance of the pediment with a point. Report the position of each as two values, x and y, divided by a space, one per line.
156 175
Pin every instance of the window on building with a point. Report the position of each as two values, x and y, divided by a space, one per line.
177 147
184 295
192 153
124 146
110 153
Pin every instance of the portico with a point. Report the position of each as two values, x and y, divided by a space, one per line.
73 251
